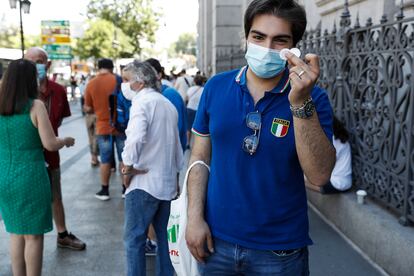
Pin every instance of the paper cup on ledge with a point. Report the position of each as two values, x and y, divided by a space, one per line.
361 194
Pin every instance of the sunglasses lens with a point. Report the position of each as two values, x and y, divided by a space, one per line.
250 144
254 120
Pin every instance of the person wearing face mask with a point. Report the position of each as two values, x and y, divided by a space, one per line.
152 158
260 128
54 97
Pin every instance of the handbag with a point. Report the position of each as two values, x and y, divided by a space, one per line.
183 262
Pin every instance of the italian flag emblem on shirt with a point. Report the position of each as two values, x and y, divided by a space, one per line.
280 127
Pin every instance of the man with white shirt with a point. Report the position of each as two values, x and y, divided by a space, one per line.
182 84
152 158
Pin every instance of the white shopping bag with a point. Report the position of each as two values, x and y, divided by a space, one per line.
182 260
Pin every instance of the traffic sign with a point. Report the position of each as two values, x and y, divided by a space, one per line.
56 38
58 51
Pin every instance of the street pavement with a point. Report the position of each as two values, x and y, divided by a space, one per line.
100 224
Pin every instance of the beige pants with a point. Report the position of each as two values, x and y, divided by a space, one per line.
90 126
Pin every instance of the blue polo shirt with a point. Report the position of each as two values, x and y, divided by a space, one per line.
174 97
257 201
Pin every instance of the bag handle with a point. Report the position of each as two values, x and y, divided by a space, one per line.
187 82
184 190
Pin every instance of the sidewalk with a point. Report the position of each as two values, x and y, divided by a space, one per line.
100 225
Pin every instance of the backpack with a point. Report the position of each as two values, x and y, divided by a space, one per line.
119 108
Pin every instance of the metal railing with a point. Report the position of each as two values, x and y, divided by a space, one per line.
368 73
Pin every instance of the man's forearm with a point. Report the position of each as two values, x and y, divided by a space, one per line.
197 187
87 109
316 153
198 177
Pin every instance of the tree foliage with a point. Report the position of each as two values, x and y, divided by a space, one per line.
186 44
135 18
96 41
10 38
102 39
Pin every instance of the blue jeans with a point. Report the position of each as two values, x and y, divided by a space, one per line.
141 209
232 259
106 145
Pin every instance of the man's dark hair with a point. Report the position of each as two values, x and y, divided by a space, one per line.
105 63
288 10
156 64
199 80
339 130
19 84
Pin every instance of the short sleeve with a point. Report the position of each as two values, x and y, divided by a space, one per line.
324 110
202 119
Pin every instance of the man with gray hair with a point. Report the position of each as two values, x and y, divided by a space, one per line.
152 158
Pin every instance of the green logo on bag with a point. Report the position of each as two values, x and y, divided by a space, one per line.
173 233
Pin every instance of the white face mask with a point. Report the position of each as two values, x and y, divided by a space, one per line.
128 93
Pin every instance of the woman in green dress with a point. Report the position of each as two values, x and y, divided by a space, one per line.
25 196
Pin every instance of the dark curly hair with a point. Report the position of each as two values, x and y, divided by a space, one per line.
288 10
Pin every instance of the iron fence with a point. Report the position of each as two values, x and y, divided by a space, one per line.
368 73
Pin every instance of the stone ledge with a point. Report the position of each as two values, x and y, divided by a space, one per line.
372 228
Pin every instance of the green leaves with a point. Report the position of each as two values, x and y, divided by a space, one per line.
10 38
186 44
96 41
135 20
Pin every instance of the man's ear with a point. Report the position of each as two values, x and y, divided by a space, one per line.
48 64
137 86
141 86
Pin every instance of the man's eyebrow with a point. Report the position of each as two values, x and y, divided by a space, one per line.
285 36
259 33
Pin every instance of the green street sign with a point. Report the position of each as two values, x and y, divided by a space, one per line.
60 56
55 23
58 51
57 48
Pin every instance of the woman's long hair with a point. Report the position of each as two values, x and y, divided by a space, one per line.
19 84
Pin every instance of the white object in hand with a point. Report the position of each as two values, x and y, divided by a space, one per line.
361 194
294 51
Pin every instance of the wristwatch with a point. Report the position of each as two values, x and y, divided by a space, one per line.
304 111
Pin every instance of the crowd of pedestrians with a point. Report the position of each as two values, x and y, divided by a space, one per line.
264 129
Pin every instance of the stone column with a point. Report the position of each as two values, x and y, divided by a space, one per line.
205 32
227 22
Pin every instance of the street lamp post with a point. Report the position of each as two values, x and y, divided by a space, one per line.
25 5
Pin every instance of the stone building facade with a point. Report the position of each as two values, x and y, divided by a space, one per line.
220 26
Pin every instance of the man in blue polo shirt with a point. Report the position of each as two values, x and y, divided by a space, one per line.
174 97
260 128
